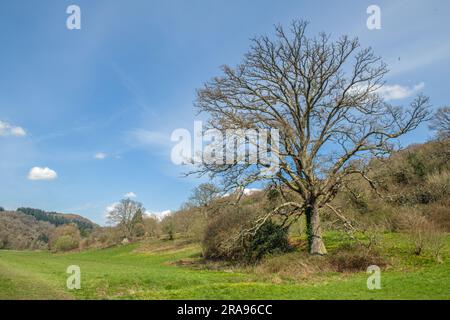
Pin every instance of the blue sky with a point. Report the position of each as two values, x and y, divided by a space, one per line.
97 105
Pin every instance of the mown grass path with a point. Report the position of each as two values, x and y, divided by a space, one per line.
130 272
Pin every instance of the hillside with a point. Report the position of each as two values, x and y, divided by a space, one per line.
29 228
59 219
20 231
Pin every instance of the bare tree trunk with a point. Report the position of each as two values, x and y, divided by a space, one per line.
314 231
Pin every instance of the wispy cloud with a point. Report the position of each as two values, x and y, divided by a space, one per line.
397 92
141 138
38 173
416 58
7 129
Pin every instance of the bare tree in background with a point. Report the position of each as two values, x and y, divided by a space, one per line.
203 195
441 122
322 97
127 215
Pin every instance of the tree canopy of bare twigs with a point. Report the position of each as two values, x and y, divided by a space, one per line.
127 215
321 94
203 195
441 122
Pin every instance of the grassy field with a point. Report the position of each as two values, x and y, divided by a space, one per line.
150 271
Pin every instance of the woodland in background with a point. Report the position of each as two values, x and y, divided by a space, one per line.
415 201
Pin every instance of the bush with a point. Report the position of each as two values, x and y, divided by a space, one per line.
221 233
222 238
65 238
438 185
423 234
65 243
269 239
439 215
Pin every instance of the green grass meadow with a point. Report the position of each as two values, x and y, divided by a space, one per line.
136 272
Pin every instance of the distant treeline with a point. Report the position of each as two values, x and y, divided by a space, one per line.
58 219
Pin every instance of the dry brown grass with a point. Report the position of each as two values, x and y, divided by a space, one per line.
356 258
295 265
301 265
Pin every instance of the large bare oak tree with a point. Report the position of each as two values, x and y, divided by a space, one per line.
322 96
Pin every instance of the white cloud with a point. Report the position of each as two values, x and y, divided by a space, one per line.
100 156
130 195
247 192
250 191
7 129
110 208
38 173
396 92
159 214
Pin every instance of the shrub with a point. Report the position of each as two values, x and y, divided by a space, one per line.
223 230
438 185
417 163
65 238
269 239
65 243
439 215
423 234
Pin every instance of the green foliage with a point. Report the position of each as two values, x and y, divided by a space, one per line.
416 162
270 238
2 209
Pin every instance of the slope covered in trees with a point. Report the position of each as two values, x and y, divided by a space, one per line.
20 231
59 219
29 228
